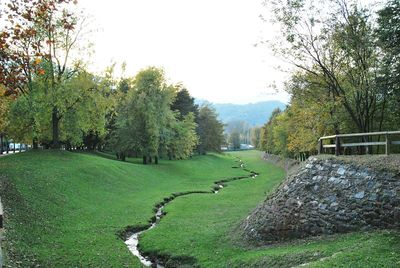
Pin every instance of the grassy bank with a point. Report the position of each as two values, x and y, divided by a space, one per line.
212 239
65 210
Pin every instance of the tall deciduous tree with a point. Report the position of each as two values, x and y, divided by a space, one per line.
234 140
82 112
267 140
4 109
38 39
146 125
335 43
347 77
143 118
183 138
389 38
256 137
210 130
240 127
5 102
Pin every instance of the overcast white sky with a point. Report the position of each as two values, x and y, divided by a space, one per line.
207 45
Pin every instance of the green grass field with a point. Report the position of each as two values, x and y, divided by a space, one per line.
65 210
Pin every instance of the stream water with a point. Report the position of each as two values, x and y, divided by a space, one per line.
133 241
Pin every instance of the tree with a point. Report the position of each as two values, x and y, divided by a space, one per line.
5 102
143 118
280 133
275 133
388 32
210 130
234 140
311 114
82 112
83 122
4 109
256 137
145 123
240 127
346 78
267 141
335 43
184 138
115 98
184 103
26 120
37 40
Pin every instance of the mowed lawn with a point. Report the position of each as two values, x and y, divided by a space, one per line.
203 228
65 210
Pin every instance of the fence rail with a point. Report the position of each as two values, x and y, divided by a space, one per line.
337 145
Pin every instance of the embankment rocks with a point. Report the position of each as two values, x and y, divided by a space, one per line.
326 196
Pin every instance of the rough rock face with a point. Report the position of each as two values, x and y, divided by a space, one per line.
326 197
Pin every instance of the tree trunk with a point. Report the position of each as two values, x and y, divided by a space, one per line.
156 160
1 144
55 123
150 160
35 144
144 160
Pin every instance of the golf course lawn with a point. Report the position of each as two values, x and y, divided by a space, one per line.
65 209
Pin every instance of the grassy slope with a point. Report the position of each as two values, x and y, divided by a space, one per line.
64 209
202 227
67 207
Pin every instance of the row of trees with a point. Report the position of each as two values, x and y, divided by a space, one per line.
155 119
347 75
48 98
238 132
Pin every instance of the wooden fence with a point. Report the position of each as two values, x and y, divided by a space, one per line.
336 141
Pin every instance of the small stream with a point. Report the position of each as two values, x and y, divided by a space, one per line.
133 240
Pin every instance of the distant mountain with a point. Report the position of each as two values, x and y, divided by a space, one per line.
255 114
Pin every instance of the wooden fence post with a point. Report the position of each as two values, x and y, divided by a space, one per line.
387 145
320 146
337 146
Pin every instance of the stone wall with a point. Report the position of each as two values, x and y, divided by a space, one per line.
325 197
